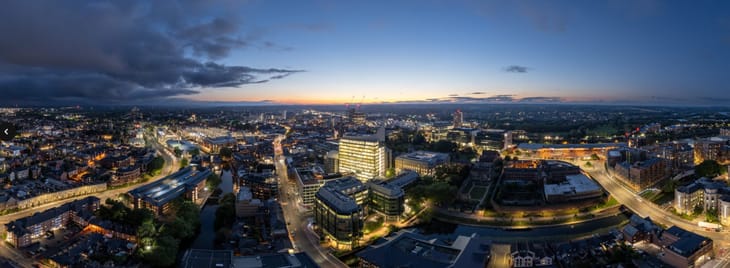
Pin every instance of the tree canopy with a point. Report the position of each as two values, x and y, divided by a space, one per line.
226 152
709 168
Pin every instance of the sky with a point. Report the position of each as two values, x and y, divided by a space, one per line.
336 52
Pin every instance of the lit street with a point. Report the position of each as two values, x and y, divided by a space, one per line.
302 237
646 208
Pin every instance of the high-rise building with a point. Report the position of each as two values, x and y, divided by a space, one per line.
331 162
507 140
458 118
364 156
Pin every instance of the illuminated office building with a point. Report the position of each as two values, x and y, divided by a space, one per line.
364 156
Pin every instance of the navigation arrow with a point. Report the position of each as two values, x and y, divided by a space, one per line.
6 132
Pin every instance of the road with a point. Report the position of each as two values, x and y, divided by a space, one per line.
645 208
171 165
301 235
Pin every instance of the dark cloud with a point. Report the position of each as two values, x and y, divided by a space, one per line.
453 95
121 51
541 99
478 93
516 69
504 98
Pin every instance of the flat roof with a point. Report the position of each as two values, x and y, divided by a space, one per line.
168 188
688 242
386 188
574 184
407 249
425 156
244 193
336 200
535 146
201 258
404 178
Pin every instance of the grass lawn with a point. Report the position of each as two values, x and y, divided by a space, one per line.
477 192
662 198
649 195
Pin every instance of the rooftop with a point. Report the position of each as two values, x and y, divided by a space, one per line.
404 179
385 188
424 156
573 184
19 226
202 258
336 200
168 188
407 249
688 242
536 146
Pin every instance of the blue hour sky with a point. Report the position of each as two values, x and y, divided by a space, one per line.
653 52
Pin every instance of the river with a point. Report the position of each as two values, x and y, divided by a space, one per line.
554 233
205 238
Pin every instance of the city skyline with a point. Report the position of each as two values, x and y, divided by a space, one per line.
322 52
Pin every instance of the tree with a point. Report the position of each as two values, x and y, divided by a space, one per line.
444 146
179 229
178 152
225 215
418 138
698 210
390 172
183 162
226 152
155 165
188 212
147 229
213 181
595 157
709 168
195 152
711 215
163 252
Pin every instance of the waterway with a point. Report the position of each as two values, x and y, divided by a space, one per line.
552 233
205 238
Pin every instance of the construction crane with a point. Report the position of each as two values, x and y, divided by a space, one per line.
360 103
347 105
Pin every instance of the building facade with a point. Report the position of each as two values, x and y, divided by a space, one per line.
386 199
705 194
23 232
331 162
641 175
338 217
157 196
364 156
422 162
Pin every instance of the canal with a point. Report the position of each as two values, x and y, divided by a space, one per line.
552 233
205 238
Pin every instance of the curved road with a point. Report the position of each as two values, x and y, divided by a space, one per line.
645 208
171 165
